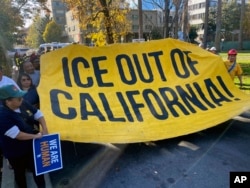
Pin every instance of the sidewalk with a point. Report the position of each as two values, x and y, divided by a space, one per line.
8 178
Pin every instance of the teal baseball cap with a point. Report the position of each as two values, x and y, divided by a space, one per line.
11 91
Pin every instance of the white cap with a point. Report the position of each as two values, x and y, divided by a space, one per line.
213 49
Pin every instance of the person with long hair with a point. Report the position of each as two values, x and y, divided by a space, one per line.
25 83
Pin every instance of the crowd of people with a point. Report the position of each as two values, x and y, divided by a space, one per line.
21 120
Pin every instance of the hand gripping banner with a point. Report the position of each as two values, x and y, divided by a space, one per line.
136 92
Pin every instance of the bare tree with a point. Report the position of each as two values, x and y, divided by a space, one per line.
177 4
164 6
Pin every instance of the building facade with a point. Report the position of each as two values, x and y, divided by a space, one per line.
152 19
72 29
197 9
58 11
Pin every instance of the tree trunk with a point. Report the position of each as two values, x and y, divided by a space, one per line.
177 4
185 20
140 19
206 25
242 12
218 26
110 39
176 22
166 26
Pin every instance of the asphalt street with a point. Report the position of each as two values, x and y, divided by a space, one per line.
203 159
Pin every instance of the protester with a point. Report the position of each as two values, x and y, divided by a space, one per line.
234 69
33 56
24 81
4 80
213 50
30 70
201 43
16 134
36 63
17 59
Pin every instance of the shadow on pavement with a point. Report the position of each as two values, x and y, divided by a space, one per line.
203 159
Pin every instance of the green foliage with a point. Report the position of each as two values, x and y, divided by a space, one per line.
211 24
32 38
10 21
36 30
52 33
192 34
230 18
246 23
41 24
156 34
102 17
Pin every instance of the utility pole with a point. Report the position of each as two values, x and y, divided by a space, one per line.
140 19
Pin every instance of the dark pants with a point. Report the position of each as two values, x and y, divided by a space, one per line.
20 165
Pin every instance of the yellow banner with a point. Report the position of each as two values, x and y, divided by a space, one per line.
137 92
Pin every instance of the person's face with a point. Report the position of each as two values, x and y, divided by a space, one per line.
15 102
36 64
232 58
28 67
25 82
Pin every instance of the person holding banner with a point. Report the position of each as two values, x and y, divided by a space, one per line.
16 135
233 68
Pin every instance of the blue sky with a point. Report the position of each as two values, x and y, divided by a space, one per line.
145 6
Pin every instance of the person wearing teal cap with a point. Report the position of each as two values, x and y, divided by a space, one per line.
16 133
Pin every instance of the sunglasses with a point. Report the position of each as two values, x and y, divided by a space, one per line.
24 79
17 98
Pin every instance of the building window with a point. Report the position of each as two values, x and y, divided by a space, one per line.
148 27
135 27
148 17
62 12
134 17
